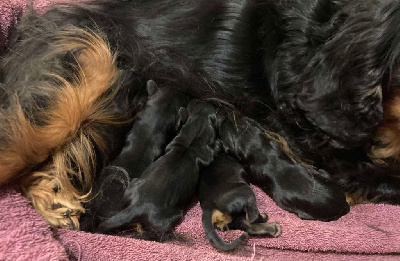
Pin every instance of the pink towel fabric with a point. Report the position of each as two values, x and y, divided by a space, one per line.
10 10
24 234
368 232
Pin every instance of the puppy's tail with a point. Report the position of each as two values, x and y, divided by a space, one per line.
54 147
213 237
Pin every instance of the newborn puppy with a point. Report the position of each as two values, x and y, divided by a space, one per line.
225 197
153 128
167 186
293 186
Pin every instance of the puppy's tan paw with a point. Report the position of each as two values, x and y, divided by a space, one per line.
264 217
221 220
272 229
138 228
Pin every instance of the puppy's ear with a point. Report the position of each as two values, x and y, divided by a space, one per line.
151 87
183 115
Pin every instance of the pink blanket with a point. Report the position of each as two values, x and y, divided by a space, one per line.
369 232
24 234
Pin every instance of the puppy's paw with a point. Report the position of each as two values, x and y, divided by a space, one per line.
263 218
272 229
138 228
221 220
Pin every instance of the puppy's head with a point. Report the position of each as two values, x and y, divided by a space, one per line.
168 104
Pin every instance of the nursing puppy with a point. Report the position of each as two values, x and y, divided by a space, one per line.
156 200
154 127
228 202
295 187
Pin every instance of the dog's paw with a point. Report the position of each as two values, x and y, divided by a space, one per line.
221 220
263 218
138 228
62 216
272 229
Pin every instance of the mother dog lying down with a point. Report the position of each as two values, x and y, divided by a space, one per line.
314 72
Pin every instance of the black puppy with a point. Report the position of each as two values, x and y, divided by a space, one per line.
292 185
154 127
167 186
225 197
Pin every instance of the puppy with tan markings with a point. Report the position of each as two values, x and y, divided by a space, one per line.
154 127
156 200
228 201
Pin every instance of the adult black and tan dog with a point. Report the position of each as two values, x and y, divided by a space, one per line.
314 72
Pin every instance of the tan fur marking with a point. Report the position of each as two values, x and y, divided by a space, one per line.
220 220
388 134
358 198
139 228
66 139
287 151
72 105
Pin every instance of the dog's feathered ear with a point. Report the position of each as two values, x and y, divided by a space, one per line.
360 70
183 115
151 87
347 128
339 86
